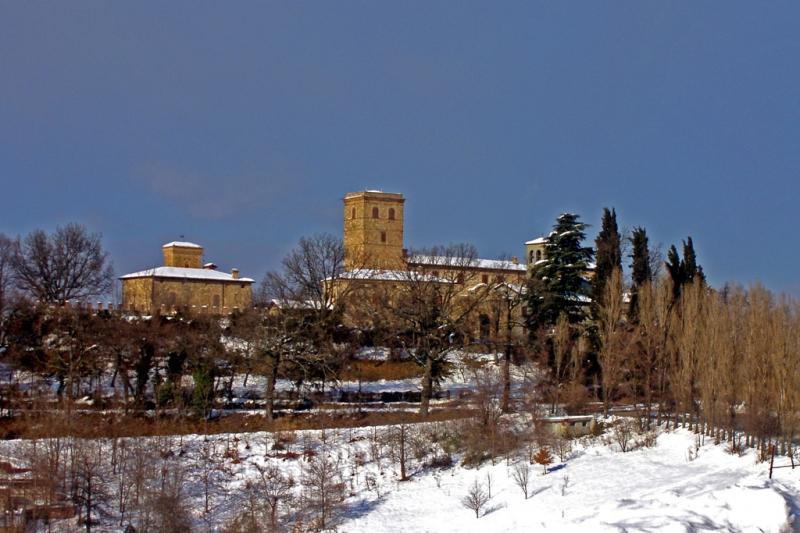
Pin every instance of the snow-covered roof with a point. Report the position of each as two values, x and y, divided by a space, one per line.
181 244
458 262
391 275
537 240
186 273
282 303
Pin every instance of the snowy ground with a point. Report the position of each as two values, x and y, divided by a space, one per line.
657 489
670 487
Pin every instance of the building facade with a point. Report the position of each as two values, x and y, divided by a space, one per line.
184 284
376 259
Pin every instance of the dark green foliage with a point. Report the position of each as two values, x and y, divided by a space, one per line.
683 271
558 284
608 253
203 394
641 272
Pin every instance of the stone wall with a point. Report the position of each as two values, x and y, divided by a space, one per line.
147 295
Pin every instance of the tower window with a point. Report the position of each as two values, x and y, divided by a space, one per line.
391 213
538 255
353 213
484 278
374 212
383 236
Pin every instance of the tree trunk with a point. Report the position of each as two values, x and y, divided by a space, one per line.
272 377
506 379
427 386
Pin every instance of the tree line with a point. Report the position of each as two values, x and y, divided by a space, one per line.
719 360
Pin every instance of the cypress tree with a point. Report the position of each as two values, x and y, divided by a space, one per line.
691 270
608 252
683 271
675 270
641 272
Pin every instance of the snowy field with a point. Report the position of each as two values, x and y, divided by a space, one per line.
600 489
673 486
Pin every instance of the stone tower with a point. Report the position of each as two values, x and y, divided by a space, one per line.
373 230
183 254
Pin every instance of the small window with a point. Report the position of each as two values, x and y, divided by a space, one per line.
460 278
435 273
374 212
353 213
485 278
538 255
391 213
383 236
532 255
216 300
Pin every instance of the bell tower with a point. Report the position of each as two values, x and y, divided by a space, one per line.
373 230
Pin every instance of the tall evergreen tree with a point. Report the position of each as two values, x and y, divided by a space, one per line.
558 284
608 253
691 270
641 272
683 271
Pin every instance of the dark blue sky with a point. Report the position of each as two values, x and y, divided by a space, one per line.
241 125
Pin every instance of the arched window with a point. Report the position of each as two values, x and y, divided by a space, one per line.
538 255
353 213
374 212
391 213
530 260
383 236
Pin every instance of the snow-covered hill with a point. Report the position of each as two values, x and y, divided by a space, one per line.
674 485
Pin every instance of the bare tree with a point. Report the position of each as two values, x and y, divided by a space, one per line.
305 312
476 498
6 275
276 490
431 305
521 476
70 264
323 488
91 491
611 355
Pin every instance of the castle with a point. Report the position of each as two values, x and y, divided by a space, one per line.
373 241
184 283
376 262
374 252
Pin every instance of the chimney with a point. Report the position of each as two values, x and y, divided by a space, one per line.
235 273
515 259
210 266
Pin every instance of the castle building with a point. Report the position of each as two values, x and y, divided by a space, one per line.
373 241
184 283
375 255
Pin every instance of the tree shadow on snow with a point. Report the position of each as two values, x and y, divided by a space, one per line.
362 507
494 508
